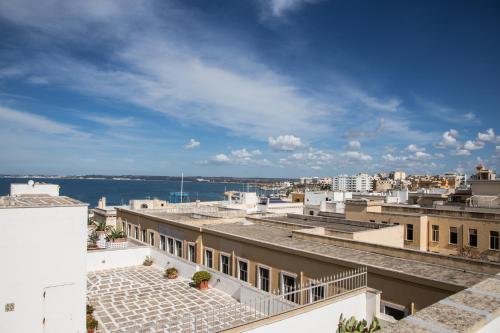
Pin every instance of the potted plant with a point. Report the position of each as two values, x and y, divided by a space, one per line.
92 240
116 236
352 325
92 324
171 273
201 279
148 261
101 228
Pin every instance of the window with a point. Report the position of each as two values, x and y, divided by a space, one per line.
224 263
243 270
209 258
494 238
192 252
473 237
170 245
143 235
152 238
409 232
288 283
178 248
311 212
123 226
163 243
136 232
453 235
316 293
263 276
129 230
435 233
372 220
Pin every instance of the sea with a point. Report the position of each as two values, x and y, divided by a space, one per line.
119 192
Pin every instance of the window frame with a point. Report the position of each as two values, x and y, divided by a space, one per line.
456 235
136 232
491 238
293 297
259 277
144 235
228 256
152 238
170 245
163 243
475 235
238 262
409 226
193 258
177 249
205 258
434 233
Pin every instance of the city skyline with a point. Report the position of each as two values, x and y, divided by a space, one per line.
248 88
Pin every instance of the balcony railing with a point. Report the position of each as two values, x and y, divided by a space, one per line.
277 302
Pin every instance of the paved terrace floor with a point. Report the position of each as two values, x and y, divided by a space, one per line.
141 299
282 237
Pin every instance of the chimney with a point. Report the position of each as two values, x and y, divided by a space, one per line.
102 202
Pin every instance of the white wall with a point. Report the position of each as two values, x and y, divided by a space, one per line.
35 188
116 258
323 319
43 250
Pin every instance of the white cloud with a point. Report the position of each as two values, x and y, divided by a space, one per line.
109 121
390 157
278 8
420 155
470 116
439 155
449 139
488 136
26 120
460 152
193 143
256 152
241 153
356 155
498 148
473 145
285 143
412 148
220 159
354 144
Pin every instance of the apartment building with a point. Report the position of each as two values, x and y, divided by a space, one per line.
43 260
358 183
469 231
272 253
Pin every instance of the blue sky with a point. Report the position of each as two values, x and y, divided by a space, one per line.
249 88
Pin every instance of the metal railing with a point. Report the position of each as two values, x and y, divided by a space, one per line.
276 302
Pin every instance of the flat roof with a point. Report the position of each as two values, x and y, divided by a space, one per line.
283 237
38 201
330 223
465 311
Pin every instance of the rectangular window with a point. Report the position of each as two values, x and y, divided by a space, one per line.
170 245
435 233
163 243
409 232
263 278
192 252
243 270
317 293
143 235
453 235
129 230
209 258
473 237
224 264
136 232
178 248
494 239
152 238
288 284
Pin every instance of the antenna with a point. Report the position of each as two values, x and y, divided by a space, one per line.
182 184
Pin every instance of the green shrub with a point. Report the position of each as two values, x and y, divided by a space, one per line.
101 226
114 234
351 325
92 322
171 271
90 309
201 276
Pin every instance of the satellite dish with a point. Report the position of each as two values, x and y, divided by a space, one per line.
31 182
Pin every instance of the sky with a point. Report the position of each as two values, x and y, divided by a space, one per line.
249 88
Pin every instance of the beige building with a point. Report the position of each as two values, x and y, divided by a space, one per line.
473 232
283 252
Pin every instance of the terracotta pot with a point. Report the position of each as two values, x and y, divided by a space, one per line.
172 276
90 330
100 233
147 263
120 240
203 285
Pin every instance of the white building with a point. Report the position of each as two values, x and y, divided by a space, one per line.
361 182
325 201
34 188
43 249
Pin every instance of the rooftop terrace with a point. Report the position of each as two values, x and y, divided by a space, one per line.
38 200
